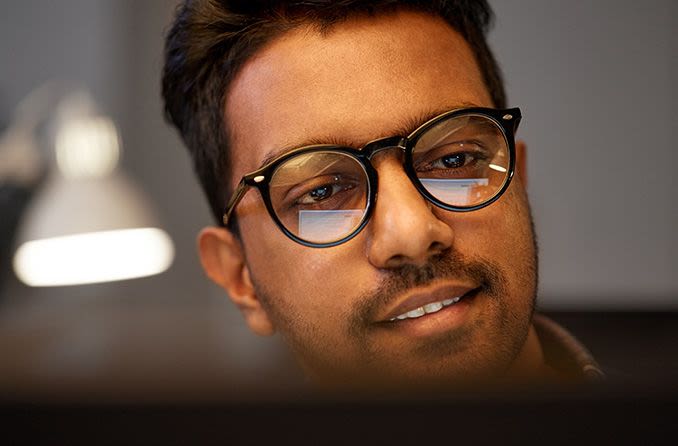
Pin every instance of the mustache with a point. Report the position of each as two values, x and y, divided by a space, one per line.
448 264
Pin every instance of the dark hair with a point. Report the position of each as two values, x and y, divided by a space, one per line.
210 40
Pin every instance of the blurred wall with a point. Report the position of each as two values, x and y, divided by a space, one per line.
596 81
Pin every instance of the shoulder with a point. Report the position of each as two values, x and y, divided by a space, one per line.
565 353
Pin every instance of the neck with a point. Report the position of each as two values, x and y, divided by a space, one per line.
530 366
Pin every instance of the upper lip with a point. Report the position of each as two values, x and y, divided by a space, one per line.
419 298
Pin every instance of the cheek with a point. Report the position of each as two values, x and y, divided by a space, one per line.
500 233
298 280
308 294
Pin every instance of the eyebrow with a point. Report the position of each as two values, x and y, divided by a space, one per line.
403 129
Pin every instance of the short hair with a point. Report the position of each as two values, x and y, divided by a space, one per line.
210 40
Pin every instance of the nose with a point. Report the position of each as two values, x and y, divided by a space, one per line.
404 229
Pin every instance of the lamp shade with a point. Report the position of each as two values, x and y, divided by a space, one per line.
90 230
88 222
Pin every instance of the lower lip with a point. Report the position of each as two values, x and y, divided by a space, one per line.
449 318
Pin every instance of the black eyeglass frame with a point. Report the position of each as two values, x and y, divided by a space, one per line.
506 119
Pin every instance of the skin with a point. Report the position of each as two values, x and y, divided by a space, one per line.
368 78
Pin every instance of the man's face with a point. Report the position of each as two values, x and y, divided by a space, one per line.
365 79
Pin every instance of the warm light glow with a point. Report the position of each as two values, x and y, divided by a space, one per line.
94 257
87 147
498 168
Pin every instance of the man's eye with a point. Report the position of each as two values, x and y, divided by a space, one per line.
452 161
451 157
324 191
321 193
457 160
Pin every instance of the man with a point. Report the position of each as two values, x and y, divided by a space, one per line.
389 240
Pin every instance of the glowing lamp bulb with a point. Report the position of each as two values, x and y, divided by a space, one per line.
94 257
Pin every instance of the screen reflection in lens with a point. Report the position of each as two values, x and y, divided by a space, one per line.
320 197
462 161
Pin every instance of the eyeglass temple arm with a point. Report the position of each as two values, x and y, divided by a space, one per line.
235 199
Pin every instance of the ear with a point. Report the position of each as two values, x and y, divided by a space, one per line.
222 259
521 162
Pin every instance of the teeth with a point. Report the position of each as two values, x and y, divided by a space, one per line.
432 308
417 312
426 309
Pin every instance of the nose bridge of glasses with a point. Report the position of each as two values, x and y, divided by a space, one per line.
383 144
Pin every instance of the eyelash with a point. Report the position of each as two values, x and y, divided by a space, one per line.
343 183
333 193
476 155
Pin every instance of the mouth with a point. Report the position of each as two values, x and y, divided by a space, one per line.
431 308
432 305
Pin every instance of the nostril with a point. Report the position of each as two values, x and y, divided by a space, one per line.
396 261
437 247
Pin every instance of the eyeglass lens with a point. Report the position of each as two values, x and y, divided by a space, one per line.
462 161
321 197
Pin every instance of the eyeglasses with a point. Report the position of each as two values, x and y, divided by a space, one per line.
324 195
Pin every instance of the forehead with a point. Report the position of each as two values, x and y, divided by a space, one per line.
363 79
